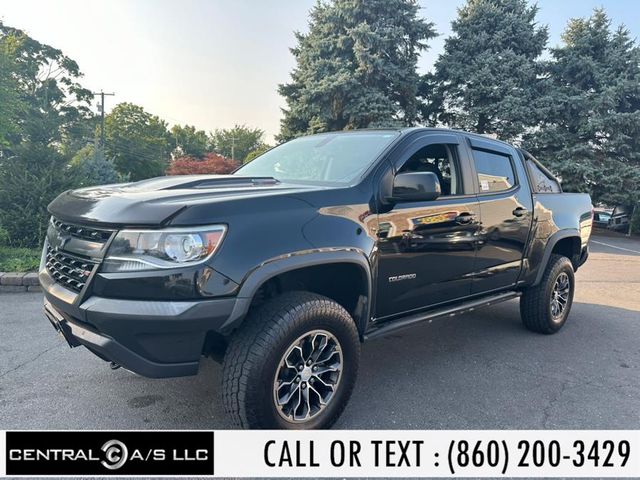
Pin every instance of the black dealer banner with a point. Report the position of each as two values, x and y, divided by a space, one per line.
109 453
323 453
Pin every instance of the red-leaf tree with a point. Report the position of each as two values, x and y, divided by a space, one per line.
211 163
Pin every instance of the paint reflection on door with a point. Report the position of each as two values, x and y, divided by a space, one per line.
426 253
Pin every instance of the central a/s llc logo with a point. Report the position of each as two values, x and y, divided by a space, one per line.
116 454
122 453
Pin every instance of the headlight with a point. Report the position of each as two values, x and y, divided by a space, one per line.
135 250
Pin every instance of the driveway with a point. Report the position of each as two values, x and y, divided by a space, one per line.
479 370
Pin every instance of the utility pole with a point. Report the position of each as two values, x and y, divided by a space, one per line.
233 148
102 95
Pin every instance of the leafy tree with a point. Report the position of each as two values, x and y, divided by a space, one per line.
212 163
356 67
80 135
55 103
10 101
591 134
237 142
487 78
138 142
91 167
190 142
33 166
257 152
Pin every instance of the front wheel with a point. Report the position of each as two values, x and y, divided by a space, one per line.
292 365
545 307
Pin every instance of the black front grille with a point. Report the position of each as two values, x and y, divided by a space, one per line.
86 233
69 270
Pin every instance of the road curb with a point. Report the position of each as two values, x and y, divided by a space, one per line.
13 282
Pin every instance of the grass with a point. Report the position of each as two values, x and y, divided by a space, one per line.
14 259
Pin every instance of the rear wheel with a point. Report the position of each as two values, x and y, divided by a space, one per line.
545 307
292 365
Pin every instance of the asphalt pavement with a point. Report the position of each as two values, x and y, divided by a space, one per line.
479 370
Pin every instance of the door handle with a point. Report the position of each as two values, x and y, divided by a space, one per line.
520 212
465 218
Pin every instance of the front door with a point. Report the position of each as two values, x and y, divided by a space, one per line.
426 250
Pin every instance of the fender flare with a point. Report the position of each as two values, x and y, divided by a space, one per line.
286 263
551 243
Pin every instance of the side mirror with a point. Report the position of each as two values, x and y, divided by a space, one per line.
416 187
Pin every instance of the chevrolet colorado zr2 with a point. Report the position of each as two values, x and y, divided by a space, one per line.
282 269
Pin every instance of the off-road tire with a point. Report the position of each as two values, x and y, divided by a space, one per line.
256 349
535 303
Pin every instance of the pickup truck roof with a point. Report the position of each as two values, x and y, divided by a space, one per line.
408 130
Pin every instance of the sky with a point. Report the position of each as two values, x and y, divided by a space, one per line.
216 63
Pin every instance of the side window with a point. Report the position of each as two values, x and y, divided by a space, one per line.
495 171
541 182
440 159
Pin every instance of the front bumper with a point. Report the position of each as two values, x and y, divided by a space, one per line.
150 338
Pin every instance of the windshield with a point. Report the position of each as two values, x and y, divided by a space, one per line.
327 157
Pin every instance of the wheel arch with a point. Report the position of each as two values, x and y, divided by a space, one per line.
309 265
564 242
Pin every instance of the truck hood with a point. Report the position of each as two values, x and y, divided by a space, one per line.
158 200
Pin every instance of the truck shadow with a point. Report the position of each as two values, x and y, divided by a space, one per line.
479 370
484 370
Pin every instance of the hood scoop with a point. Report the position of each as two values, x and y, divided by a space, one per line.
224 181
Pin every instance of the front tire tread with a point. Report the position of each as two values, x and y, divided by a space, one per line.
265 329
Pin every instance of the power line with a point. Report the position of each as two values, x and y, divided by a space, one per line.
131 152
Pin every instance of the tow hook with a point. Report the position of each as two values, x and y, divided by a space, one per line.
114 366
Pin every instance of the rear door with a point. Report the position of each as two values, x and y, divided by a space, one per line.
506 206
426 249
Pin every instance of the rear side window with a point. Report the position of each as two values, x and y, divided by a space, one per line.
495 171
541 182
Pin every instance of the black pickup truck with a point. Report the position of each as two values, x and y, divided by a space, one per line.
283 268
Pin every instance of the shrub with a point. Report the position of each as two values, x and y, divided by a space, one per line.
4 236
19 259
29 181
211 163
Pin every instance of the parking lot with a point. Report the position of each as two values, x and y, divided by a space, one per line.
479 370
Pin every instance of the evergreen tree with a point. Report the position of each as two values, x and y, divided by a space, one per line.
486 81
91 167
356 67
591 135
